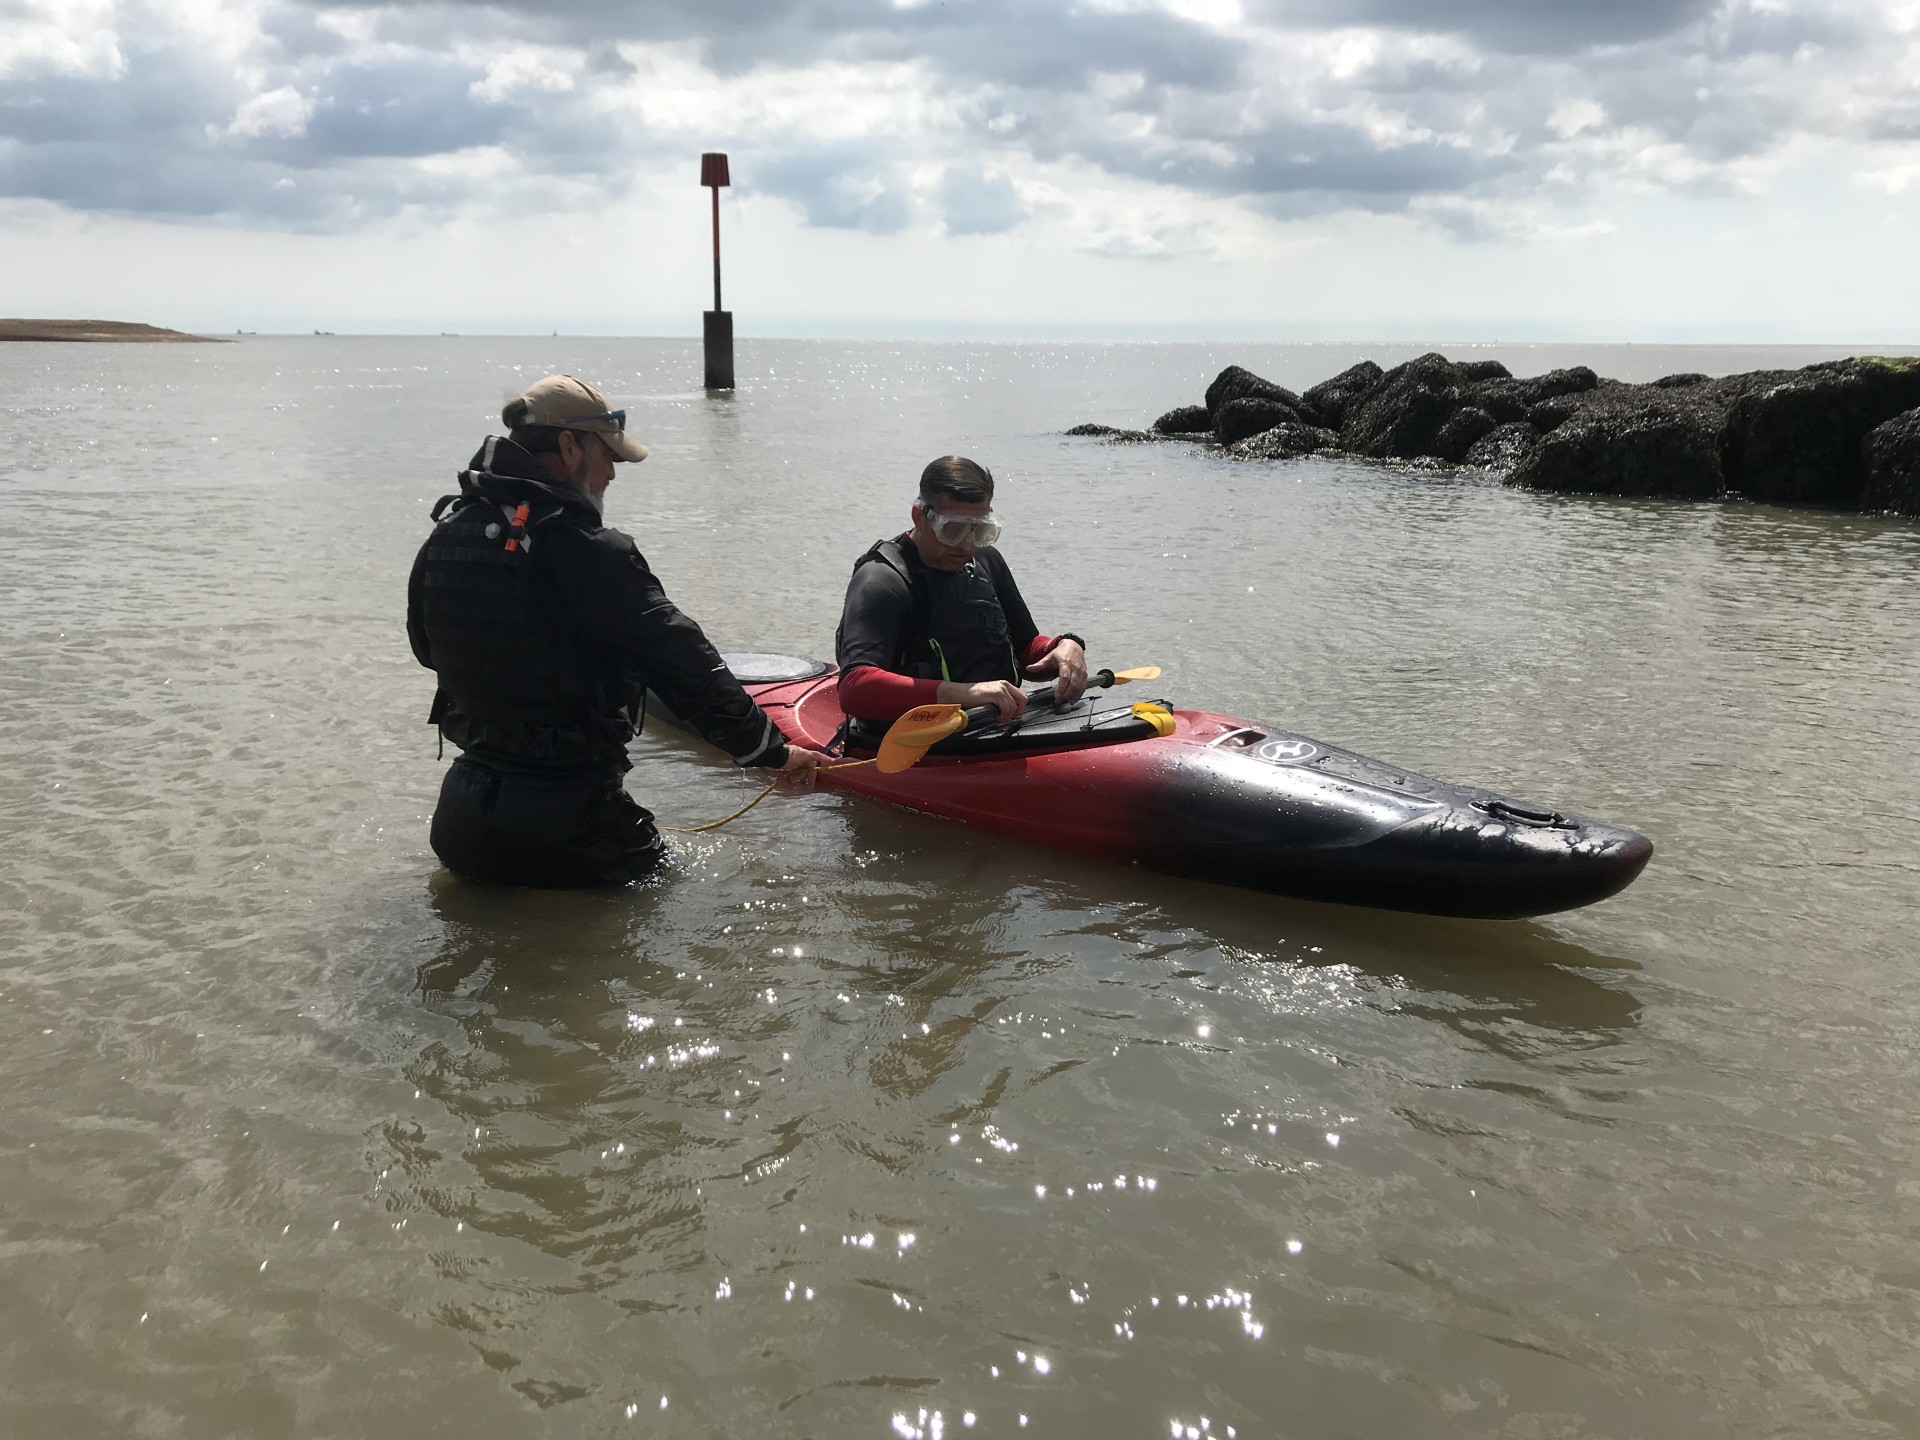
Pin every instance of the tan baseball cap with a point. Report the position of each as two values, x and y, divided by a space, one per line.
568 403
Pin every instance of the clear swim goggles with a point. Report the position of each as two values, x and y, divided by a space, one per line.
961 529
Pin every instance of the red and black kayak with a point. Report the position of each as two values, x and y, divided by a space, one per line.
1226 800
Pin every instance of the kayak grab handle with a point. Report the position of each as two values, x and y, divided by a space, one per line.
1523 814
1240 739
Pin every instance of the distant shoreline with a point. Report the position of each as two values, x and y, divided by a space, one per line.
99 332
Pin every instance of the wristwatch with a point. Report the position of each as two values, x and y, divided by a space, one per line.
1069 635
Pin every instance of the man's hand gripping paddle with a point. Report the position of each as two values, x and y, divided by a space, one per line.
1157 716
915 732
1100 680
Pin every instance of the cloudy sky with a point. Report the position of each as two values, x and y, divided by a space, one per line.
1624 169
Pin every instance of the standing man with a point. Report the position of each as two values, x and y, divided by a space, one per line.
546 629
933 616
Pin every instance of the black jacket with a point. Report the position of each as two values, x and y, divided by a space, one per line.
544 650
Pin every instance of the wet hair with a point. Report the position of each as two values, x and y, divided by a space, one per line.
965 480
535 439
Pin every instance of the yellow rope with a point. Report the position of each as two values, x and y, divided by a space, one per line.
772 785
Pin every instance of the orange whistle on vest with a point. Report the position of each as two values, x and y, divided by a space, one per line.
519 527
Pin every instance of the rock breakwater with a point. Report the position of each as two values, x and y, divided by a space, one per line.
1842 435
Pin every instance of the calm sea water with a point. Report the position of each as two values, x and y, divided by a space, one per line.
862 1124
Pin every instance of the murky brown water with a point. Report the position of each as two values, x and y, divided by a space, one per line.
860 1124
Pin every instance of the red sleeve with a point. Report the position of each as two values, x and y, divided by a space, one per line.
880 695
1036 652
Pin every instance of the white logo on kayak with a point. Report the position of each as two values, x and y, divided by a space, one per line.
1287 752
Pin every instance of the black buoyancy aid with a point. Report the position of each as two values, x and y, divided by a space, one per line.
959 629
512 680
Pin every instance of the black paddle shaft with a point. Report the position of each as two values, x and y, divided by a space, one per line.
981 714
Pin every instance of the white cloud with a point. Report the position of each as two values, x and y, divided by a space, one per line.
1893 179
53 37
283 112
524 69
1570 117
482 162
672 92
1219 14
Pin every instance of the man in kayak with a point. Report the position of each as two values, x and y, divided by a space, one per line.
933 616
546 628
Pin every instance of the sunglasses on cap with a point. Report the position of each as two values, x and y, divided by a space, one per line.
960 529
618 417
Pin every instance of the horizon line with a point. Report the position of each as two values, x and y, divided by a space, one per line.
1066 338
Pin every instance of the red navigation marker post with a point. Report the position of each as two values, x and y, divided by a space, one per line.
719 323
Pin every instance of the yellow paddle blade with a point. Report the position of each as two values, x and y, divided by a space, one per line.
908 737
1157 716
1142 672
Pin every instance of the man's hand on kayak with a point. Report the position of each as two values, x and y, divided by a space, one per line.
1003 695
801 765
1066 666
